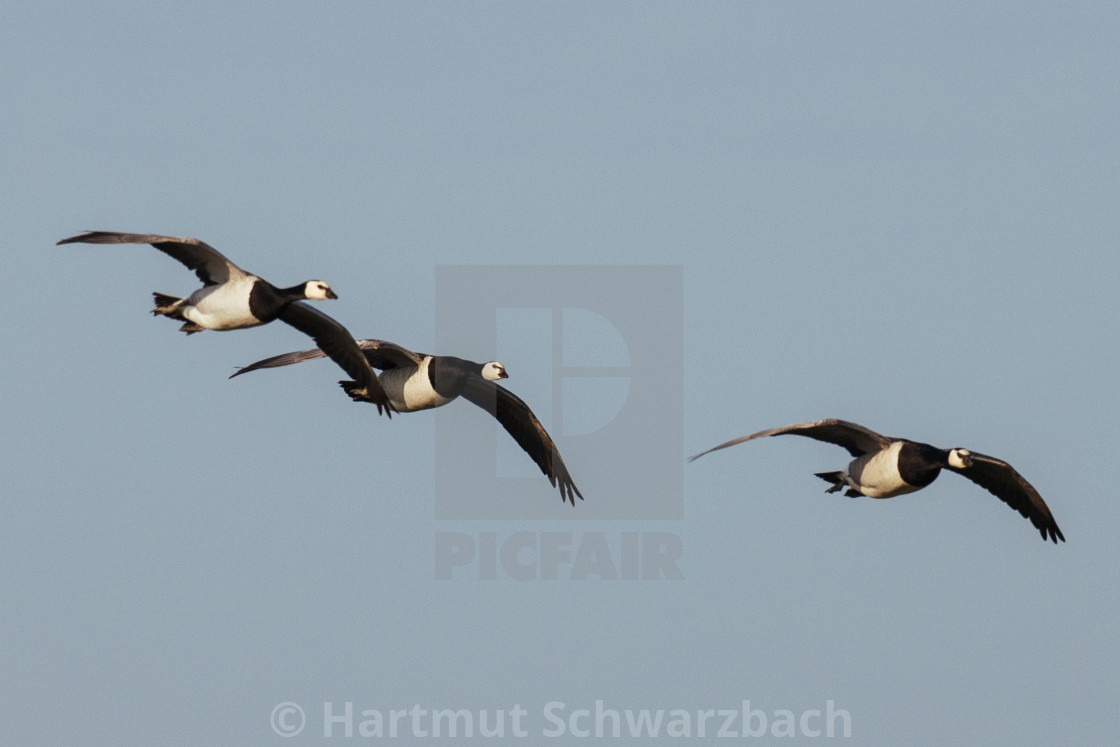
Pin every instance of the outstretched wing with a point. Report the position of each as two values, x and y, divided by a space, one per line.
211 267
1002 480
336 342
520 422
852 436
381 355
284 359
384 355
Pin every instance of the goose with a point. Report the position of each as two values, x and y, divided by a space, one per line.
418 381
232 298
885 467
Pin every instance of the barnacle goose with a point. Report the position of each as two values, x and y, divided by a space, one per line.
417 381
885 467
232 298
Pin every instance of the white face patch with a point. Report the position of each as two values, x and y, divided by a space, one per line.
493 371
960 458
317 290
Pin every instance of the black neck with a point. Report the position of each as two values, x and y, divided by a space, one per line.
447 373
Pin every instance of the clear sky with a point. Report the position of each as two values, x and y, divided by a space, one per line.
902 216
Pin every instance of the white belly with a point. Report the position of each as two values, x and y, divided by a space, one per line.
876 475
409 393
222 306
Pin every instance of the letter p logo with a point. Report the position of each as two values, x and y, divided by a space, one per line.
597 353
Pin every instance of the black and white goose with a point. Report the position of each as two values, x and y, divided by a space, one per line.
885 467
232 298
417 381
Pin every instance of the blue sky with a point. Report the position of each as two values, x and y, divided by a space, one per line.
900 216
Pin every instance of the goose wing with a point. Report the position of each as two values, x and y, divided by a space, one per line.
337 343
1002 480
381 355
852 436
384 355
284 359
520 422
211 267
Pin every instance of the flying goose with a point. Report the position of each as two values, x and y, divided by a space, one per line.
417 381
885 467
231 298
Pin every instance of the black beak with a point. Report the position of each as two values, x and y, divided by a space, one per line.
331 293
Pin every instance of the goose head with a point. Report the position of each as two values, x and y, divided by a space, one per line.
960 458
317 290
493 371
